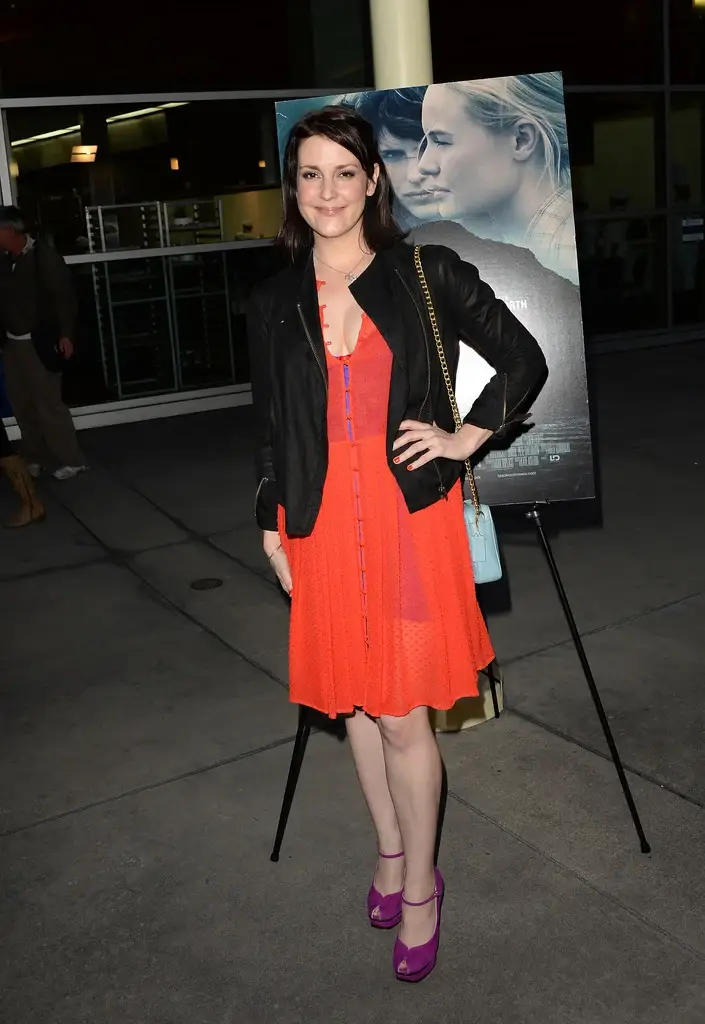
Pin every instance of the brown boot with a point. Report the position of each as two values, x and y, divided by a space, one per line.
31 510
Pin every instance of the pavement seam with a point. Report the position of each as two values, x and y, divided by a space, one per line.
119 559
206 629
49 569
148 786
554 645
584 745
574 873
192 534
108 555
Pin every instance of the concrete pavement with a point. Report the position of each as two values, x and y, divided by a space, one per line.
147 734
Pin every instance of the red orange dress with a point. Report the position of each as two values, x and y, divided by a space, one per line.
384 615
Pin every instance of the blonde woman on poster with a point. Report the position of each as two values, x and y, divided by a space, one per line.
495 155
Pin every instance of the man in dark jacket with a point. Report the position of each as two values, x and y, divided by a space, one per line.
38 313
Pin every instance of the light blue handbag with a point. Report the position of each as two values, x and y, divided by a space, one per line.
486 561
482 536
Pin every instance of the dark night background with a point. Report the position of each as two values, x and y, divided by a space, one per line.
635 109
72 48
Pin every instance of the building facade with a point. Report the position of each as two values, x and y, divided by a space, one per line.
148 156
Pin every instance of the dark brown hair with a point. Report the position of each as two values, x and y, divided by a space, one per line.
344 126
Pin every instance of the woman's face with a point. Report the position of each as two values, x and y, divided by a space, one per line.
472 171
331 187
401 158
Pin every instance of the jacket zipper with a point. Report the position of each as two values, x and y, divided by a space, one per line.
517 405
441 486
313 347
262 482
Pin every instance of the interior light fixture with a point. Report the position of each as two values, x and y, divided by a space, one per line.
262 163
47 135
699 3
83 154
174 163
132 114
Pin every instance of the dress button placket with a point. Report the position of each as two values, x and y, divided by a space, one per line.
355 467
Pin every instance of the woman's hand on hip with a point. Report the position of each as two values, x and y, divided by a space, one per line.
273 549
427 442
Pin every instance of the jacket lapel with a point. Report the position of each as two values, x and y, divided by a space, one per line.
376 291
379 291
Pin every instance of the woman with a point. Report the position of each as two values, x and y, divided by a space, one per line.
496 155
31 509
359 498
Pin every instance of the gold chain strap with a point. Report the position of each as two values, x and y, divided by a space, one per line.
445 371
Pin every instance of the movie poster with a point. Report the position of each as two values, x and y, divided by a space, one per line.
483 167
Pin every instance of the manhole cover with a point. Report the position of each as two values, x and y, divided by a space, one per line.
209 583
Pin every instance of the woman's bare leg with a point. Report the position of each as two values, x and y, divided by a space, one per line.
414 771
368 755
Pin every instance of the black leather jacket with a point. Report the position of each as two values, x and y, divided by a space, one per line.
290 380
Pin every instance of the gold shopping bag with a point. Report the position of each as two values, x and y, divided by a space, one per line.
471 711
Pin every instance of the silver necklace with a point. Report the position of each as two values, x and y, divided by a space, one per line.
351 275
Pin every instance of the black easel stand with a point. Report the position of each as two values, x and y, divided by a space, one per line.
535 517
493 688
304 728
297 759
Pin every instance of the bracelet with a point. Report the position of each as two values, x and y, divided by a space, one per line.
275 552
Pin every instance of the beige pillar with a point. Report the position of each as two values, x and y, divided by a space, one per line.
401 43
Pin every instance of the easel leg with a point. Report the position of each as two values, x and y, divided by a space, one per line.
297 758
535 517
493 687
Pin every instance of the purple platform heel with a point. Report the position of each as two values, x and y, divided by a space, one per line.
388 907
420 960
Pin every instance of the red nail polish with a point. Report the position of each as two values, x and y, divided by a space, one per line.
397 459
409 467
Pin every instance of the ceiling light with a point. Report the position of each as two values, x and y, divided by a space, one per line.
48 135
131 114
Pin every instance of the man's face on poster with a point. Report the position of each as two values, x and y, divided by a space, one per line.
401 159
